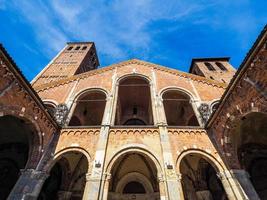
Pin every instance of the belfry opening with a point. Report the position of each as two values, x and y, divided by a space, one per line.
134 102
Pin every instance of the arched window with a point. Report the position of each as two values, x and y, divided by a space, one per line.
209 66
178 109
89 109
134 102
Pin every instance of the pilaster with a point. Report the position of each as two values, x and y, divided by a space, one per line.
95 180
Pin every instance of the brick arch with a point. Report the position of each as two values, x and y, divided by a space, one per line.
142 149
88 90
230 123
179 89
37 142
51 102
58 155
125 76
218 165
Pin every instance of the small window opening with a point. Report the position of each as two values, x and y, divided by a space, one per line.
211 78
209 66
85 112
77 48
84 47
134 111
221 66
70 48
223 80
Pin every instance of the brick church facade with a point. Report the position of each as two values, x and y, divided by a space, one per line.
134 130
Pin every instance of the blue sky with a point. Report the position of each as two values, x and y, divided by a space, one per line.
166 32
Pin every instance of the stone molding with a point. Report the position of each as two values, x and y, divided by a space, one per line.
129 62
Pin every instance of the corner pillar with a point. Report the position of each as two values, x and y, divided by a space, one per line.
245 185
28 185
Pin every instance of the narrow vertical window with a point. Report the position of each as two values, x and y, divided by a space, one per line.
221 66
209 66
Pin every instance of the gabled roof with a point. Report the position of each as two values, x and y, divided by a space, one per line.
239 74
128 62
25 83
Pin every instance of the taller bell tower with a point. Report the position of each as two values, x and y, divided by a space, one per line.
74 58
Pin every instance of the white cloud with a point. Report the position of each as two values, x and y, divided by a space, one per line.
120 27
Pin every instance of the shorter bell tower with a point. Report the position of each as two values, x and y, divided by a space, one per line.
218 69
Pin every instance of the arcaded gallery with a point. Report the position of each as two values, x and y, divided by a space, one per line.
134 129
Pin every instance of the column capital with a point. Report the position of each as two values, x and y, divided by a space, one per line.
161 178
107 176
240 172
179 177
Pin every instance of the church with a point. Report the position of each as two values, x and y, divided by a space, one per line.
134 129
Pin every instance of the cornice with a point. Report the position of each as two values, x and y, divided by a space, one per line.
128 62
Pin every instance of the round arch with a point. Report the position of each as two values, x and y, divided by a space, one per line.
50 102
67 171
94 102
208 157
191 96
20 149
180 107
58 155
134 176
88 90
133 96
37 142
125 76
129 179
202 175
142 149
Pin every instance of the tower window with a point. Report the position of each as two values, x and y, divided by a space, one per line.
84 47
77 48
209 66
70 48
221 66
211 78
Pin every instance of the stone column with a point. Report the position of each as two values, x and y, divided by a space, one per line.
181 192
171 183
245 185
162 190
106 186
28 185
94 184
63 195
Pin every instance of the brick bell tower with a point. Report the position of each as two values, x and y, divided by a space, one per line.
218 69
74 58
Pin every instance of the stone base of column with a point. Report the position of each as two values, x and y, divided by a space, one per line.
28 185
243 178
